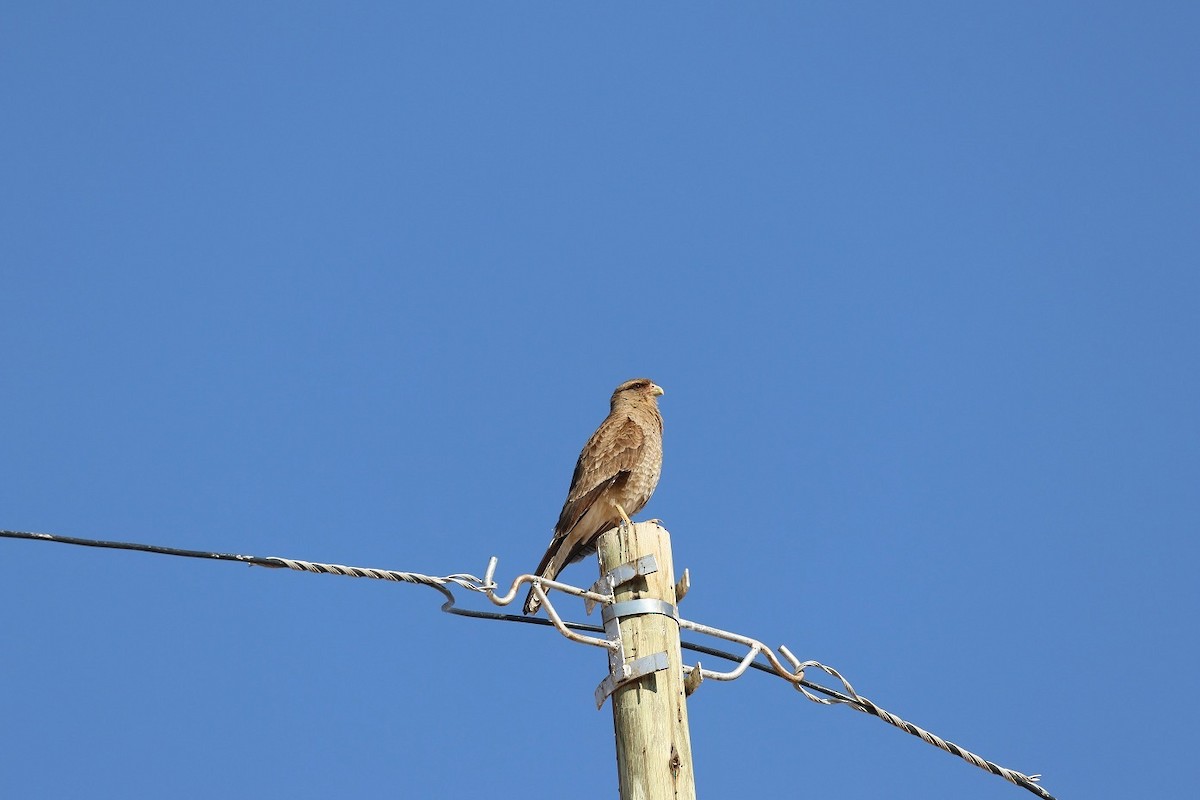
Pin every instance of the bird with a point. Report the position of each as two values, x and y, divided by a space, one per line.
614 477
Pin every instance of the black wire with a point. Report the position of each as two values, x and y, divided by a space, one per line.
144 548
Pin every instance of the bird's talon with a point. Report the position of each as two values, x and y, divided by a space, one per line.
625 520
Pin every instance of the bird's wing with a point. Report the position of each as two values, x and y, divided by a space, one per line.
607 459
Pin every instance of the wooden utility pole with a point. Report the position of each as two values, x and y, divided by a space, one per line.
654 749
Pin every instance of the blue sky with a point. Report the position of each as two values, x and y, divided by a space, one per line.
353 283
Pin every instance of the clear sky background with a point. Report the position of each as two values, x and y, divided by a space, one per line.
353 283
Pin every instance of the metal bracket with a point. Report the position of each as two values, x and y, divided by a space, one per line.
612 616
693 679
629 672
617 576
682 585
620 672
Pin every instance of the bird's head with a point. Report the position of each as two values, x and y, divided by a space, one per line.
637 389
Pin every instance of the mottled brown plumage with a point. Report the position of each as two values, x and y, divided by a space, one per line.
619 466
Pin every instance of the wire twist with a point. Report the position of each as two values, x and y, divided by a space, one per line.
462 579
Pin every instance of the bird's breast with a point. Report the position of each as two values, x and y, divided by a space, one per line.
644 476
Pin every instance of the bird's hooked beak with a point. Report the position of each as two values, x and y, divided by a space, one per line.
656 390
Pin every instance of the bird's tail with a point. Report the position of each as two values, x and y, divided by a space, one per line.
546 570
532 603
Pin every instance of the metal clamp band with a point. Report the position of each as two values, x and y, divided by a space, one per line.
636 608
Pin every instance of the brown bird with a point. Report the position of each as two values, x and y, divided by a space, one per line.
614 477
